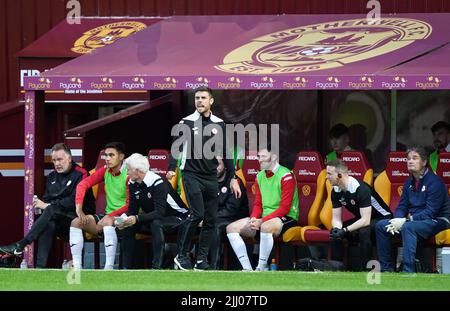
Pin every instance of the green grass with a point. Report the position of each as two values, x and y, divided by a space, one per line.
50 280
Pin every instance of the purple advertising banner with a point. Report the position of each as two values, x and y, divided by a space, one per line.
265 52
28 192
94 85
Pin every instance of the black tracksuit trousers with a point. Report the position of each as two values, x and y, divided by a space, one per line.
52 222
202 198
157 228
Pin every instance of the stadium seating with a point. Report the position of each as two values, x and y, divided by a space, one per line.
443 171
389 184
250 169
159 161
310 173
99 190
100 205
359 168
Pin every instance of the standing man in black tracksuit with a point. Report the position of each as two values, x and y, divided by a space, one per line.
58 205
163 210
230 209
201 131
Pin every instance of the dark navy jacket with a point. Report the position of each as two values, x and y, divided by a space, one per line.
429 200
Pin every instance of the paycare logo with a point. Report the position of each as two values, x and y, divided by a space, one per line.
74 84
30 109
106 83
298 83
169 83
199 81
266 83
137 83
323 46
397 83
331 83
43 83
363 83
431 82
231 83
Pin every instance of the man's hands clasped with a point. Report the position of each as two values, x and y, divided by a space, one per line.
337 234
395 225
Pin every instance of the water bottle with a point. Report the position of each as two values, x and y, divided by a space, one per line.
24 264
273 265
445 260
37 211
65 265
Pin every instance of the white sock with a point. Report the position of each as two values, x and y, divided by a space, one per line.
76 246
239 248
265 247
110 246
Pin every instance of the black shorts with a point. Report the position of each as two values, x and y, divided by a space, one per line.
288 223
97 217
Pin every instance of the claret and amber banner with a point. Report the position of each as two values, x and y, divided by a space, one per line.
402 51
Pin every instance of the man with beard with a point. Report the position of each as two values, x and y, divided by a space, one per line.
199 176
275 210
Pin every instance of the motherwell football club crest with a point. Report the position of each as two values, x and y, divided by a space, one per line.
323 46
105 35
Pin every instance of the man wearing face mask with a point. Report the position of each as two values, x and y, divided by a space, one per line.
423 211
275 210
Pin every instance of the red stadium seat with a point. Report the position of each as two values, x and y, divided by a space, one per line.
443 171
99 190
443 168
389 184
159 161
250 169
100 205
358 166
310 173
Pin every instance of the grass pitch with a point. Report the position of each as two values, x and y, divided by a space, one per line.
169 280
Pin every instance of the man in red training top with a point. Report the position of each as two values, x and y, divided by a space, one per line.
114 175
275 210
